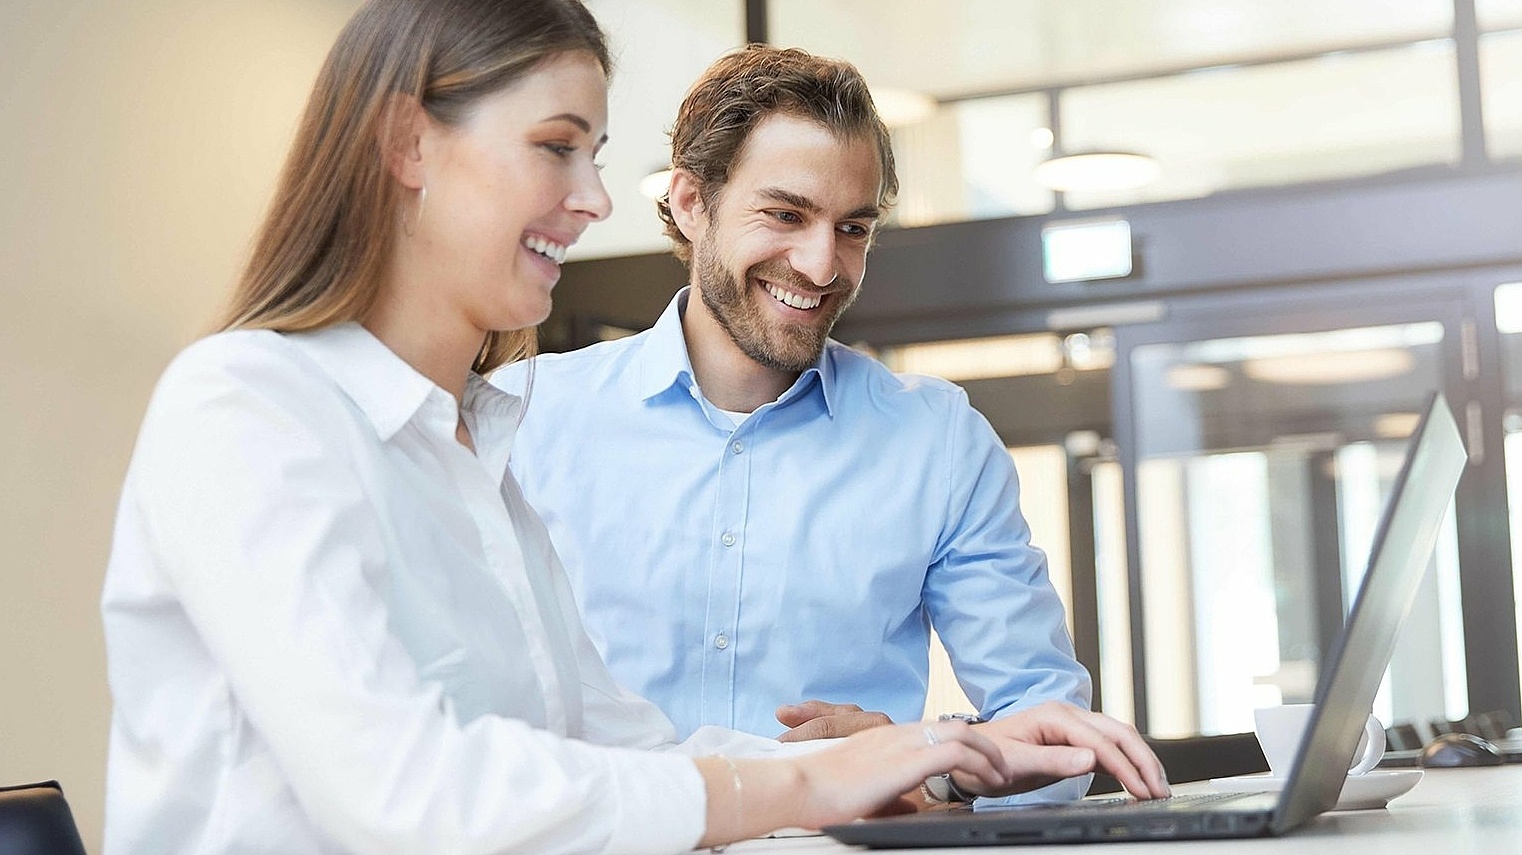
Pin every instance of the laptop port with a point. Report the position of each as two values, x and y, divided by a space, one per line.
1162 828
1118 831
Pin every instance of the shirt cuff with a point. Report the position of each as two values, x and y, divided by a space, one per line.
1066 790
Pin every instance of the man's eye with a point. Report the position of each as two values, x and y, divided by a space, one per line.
854 230
788 217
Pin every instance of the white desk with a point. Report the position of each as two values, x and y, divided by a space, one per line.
1451 812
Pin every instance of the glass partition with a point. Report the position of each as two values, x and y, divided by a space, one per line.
1262 465
1501 86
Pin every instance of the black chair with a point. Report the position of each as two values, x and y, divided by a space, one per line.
1199 758
36 820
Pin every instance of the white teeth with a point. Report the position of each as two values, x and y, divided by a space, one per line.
797 301
547 248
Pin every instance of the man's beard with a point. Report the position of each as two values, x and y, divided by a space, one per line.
787 347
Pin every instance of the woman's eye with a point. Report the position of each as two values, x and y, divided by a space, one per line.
559 149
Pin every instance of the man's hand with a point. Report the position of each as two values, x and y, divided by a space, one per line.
820 720
1047 743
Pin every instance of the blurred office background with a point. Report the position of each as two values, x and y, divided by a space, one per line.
1206 370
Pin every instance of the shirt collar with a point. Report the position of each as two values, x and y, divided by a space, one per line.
384 387
664 362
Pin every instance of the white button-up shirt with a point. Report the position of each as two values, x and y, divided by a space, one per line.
330 627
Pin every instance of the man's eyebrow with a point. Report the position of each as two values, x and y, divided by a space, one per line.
578 121
787 197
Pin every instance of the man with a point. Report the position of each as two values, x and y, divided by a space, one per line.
753 514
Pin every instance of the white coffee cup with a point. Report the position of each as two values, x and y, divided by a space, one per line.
1279 730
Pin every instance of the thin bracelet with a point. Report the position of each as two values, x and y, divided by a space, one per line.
734 772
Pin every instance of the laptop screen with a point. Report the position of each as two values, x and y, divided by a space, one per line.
1403 546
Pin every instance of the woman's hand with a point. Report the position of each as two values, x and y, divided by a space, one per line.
869 771
866 773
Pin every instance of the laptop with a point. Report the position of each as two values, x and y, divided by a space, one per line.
1403 546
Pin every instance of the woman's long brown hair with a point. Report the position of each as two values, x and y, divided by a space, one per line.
320 253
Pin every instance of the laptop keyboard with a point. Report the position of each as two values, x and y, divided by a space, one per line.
1190 802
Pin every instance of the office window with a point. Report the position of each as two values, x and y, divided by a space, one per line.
1332 117
1501 86
1508 302
1002 141
1263 463
659 47
1498 14
967 46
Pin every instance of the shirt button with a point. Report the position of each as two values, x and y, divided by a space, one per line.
737 446
721 641
728 539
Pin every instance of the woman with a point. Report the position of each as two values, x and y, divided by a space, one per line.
332 622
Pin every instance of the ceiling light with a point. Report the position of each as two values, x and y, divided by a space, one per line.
1396 425
900 107
1315 369
1198 377
1042 138
979 358
1096 171
655 185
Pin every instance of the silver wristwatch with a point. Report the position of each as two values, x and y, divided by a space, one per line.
941 788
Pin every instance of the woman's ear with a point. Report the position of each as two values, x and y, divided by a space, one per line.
685 199
402 130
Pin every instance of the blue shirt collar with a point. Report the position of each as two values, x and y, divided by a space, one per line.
663 361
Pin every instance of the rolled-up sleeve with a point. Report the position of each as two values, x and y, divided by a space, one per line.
988 591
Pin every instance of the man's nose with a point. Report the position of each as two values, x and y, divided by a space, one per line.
814 257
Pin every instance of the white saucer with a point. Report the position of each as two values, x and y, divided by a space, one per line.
1372 789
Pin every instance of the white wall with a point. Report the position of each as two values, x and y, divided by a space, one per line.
138 145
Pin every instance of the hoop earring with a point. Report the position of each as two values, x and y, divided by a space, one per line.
422 199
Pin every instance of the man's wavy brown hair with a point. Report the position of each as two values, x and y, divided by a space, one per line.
746 86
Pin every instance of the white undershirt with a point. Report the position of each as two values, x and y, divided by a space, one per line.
736 418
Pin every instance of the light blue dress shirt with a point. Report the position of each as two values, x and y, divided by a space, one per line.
723 571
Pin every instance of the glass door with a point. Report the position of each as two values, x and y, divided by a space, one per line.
1259 445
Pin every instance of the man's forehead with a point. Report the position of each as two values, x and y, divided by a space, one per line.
802 163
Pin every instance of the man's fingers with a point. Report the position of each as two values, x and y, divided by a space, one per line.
833 726
1035 766
1117 747
794 715
1150 769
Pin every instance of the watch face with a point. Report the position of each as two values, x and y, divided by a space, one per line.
938 788
942 788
